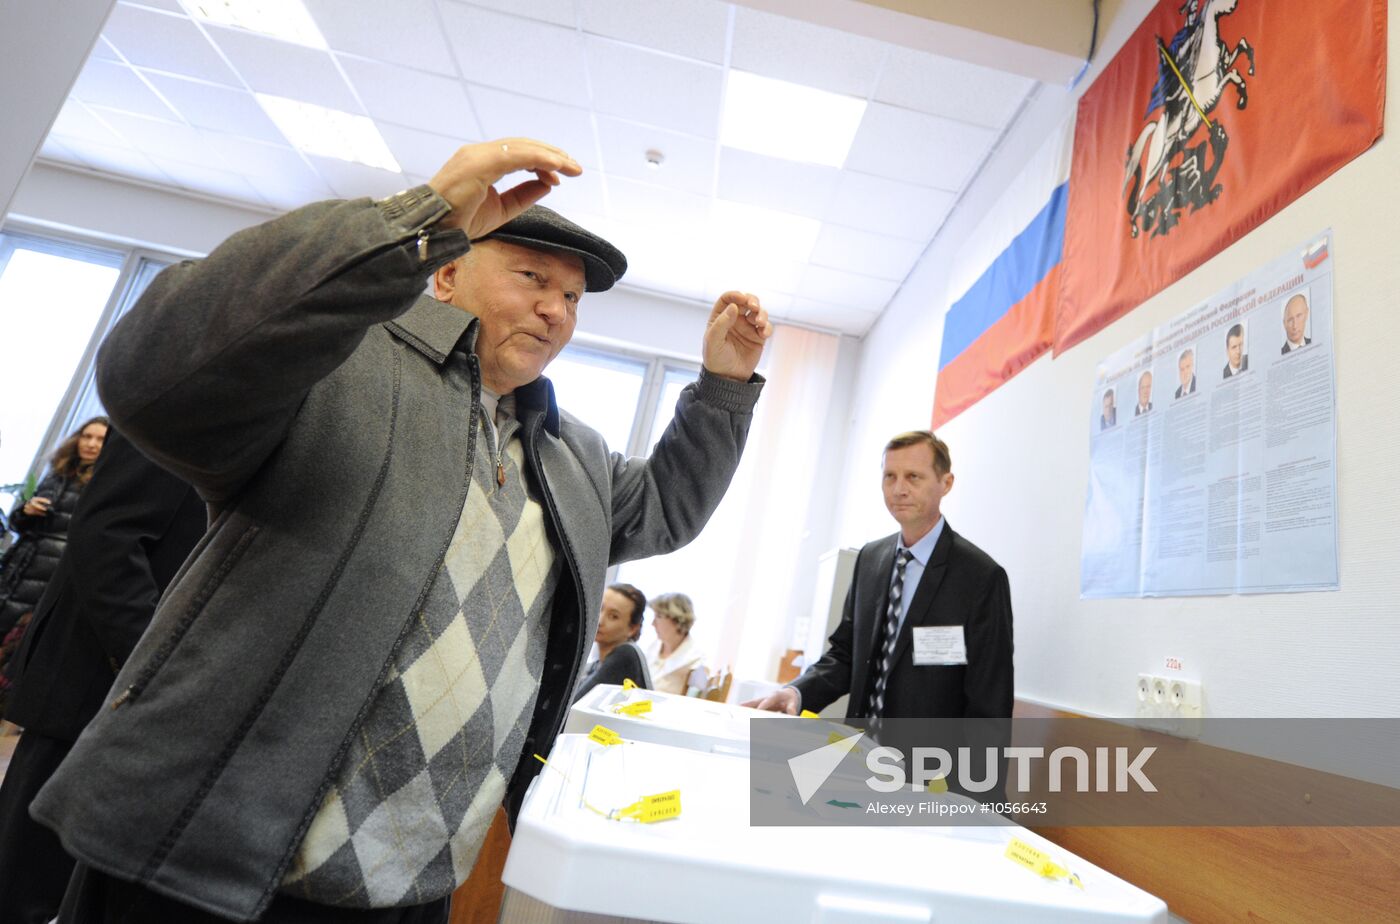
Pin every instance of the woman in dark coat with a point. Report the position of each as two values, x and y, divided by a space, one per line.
42 524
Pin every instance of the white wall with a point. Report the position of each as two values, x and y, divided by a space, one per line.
1021 460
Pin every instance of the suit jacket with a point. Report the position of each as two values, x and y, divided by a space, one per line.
1139 410
961 585
133 528
1183 390
1285 351
1244 364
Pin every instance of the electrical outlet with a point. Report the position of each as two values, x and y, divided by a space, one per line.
1169 705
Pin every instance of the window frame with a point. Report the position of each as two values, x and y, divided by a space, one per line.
133 263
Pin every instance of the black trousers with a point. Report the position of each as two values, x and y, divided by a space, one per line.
96 898
34 870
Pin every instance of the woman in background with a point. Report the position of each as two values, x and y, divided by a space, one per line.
42 524
675 657
619 626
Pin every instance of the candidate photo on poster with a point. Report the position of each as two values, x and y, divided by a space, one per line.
1109 416
1297 322
1186 372
1144 393
1236 351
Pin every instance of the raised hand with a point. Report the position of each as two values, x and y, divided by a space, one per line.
467 181
734 336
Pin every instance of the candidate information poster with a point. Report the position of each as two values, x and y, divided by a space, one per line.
1213 449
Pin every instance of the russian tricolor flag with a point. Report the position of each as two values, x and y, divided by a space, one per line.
1010 269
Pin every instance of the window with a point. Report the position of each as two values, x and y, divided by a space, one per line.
602 390
628 398
52 295
58 299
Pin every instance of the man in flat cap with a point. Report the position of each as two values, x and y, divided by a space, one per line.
407 550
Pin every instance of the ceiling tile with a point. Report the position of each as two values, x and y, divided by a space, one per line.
120 160
862 293
865 252
419 153
556 11
171 5
768 232
54 149
742 268
689 162
842 318
104 51
167 43
161 138
209 180
266 161
221 109
287 194
575 195
77 121
117 86
804 189
918 148
350 181
405 31
693 28
888 206
286 69
955 89
492 49
647 87
800 52
662 262
423 101
506 115
641 203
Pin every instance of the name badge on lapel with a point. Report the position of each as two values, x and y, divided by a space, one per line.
939 645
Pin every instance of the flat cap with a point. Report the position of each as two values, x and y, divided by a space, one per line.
542 228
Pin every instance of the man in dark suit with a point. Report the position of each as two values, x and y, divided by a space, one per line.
1236 360
1144 403
1109 417
1186 371
1295 324
134 526
926 630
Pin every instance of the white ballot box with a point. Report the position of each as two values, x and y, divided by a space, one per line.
684 721
580 854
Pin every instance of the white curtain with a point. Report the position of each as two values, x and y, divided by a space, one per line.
742 570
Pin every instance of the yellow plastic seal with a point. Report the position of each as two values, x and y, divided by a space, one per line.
1038 862
604 736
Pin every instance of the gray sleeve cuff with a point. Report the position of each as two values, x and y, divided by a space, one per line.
727 394
411 215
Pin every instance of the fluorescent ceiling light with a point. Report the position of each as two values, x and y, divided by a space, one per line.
284 19
752 230
787 120
329 132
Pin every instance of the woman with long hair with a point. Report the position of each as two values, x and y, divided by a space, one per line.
42 523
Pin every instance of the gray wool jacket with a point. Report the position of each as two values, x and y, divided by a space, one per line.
301 381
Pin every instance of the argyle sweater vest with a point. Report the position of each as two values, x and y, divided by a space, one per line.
425 773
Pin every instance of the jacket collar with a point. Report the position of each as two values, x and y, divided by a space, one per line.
436 328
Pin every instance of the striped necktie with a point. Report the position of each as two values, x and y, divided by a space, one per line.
891 634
